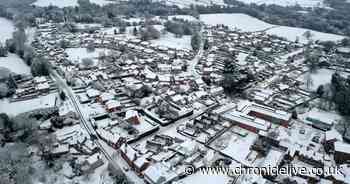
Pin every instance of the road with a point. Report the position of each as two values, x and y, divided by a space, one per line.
86 124
111 158
191 69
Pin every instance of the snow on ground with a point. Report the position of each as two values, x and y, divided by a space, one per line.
15 64
248 23
205 179
303 3
241 57
169 40
92 109
291 33
98 176
235 20
128 33
27 105
293 136
320 77
234 145
85 26
67 3
6 29
184 17
76 54
188 3
30 32
134 20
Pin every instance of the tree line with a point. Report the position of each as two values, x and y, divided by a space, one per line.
332 20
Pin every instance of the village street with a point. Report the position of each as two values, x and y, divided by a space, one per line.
110 154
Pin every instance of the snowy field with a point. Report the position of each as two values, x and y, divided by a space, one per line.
67 3
169 40
237 20
14 64
6 29
292 33
128 33
76 54
187 3
27 105
184 17
320 77
303 3
248 23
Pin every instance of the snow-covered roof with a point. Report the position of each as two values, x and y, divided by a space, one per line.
106 96
321 116
113 104
43 86
92 93
273 158
159 173
278 114
93 158
224 108
239 117
108 136
333 134
342 147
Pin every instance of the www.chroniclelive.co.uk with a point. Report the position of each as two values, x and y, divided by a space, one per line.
269 170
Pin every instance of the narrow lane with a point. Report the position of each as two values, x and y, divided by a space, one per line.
89 129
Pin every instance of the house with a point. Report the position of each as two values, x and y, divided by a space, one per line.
43 87
134 90
223 108
345 51
342 152
113 105
331 136
132 117
128 154
320 119
247 122
134 160
141 164
158 173
93 162
59 150
104 97
112 139
216 91
92 93
38 80
164 67
273 159
269 114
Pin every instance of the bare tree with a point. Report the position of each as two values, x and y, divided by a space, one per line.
308 35
309 81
